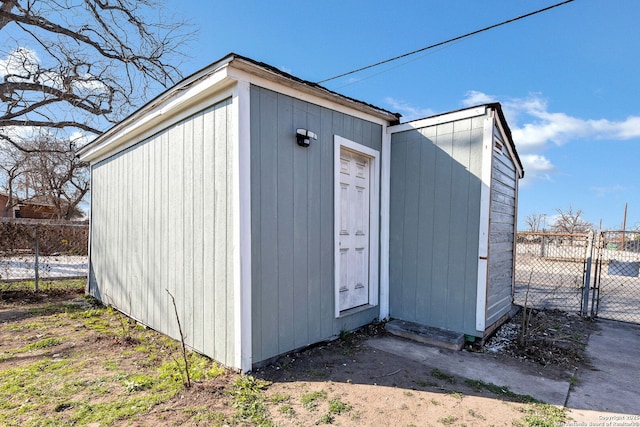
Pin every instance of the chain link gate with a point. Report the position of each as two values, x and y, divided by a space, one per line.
551 270
615 293
596 275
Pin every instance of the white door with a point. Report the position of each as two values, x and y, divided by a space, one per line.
353 237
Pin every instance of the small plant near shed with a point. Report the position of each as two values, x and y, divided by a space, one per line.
337 406
437 373
310 400
249 401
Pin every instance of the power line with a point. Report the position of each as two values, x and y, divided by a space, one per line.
473 33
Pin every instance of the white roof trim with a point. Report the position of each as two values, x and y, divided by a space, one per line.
218 76
436 120
155 113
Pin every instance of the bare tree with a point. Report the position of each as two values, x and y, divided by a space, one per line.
57 177
534 222
13 168
77 66
47 173
571 222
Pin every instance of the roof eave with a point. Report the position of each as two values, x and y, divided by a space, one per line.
149 114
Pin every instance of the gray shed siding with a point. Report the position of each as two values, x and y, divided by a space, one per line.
501 232
434 223
292 222
161 219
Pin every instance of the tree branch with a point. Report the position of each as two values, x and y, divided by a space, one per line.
56 125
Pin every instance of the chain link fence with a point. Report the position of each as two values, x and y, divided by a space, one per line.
550 270
32 250
595 275
615 293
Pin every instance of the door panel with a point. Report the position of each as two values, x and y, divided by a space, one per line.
355 183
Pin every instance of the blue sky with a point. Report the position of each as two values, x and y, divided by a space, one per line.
568 79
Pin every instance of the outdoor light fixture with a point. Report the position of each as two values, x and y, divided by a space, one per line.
304 137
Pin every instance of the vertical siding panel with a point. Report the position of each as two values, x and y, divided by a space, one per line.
269 250
459 232
473 221
159 240
197 234
122 273
231 169
314 230
145 270
187 208
137 284
425 228
112 244
208 231
176 231
220 231
150 268
503 189
396 229
256 221
114 254
410 226
329 128
285 220
442 217
163 301
129 245
348 127
300 227
358 133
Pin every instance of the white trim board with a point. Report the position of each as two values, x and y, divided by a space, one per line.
436 120
242 227
483 229
374 217
385 213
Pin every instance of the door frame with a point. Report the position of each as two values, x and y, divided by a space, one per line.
374 220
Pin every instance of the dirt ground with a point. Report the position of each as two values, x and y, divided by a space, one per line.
342 383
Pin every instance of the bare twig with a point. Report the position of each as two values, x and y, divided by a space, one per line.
523 331
389 374
184 348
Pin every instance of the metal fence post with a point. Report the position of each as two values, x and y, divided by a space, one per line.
37 255
587 276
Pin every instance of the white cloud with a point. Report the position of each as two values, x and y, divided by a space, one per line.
474 97
23 64
408 111
608 191
21 61
80 139
537 168
535 127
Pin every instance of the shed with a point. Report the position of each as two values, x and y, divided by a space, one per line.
266 205
453 217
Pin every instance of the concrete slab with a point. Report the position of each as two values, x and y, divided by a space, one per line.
518 377
611 388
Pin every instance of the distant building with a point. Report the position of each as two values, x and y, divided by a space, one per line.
26 209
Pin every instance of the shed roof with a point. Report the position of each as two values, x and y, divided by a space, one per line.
242 63
468 112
